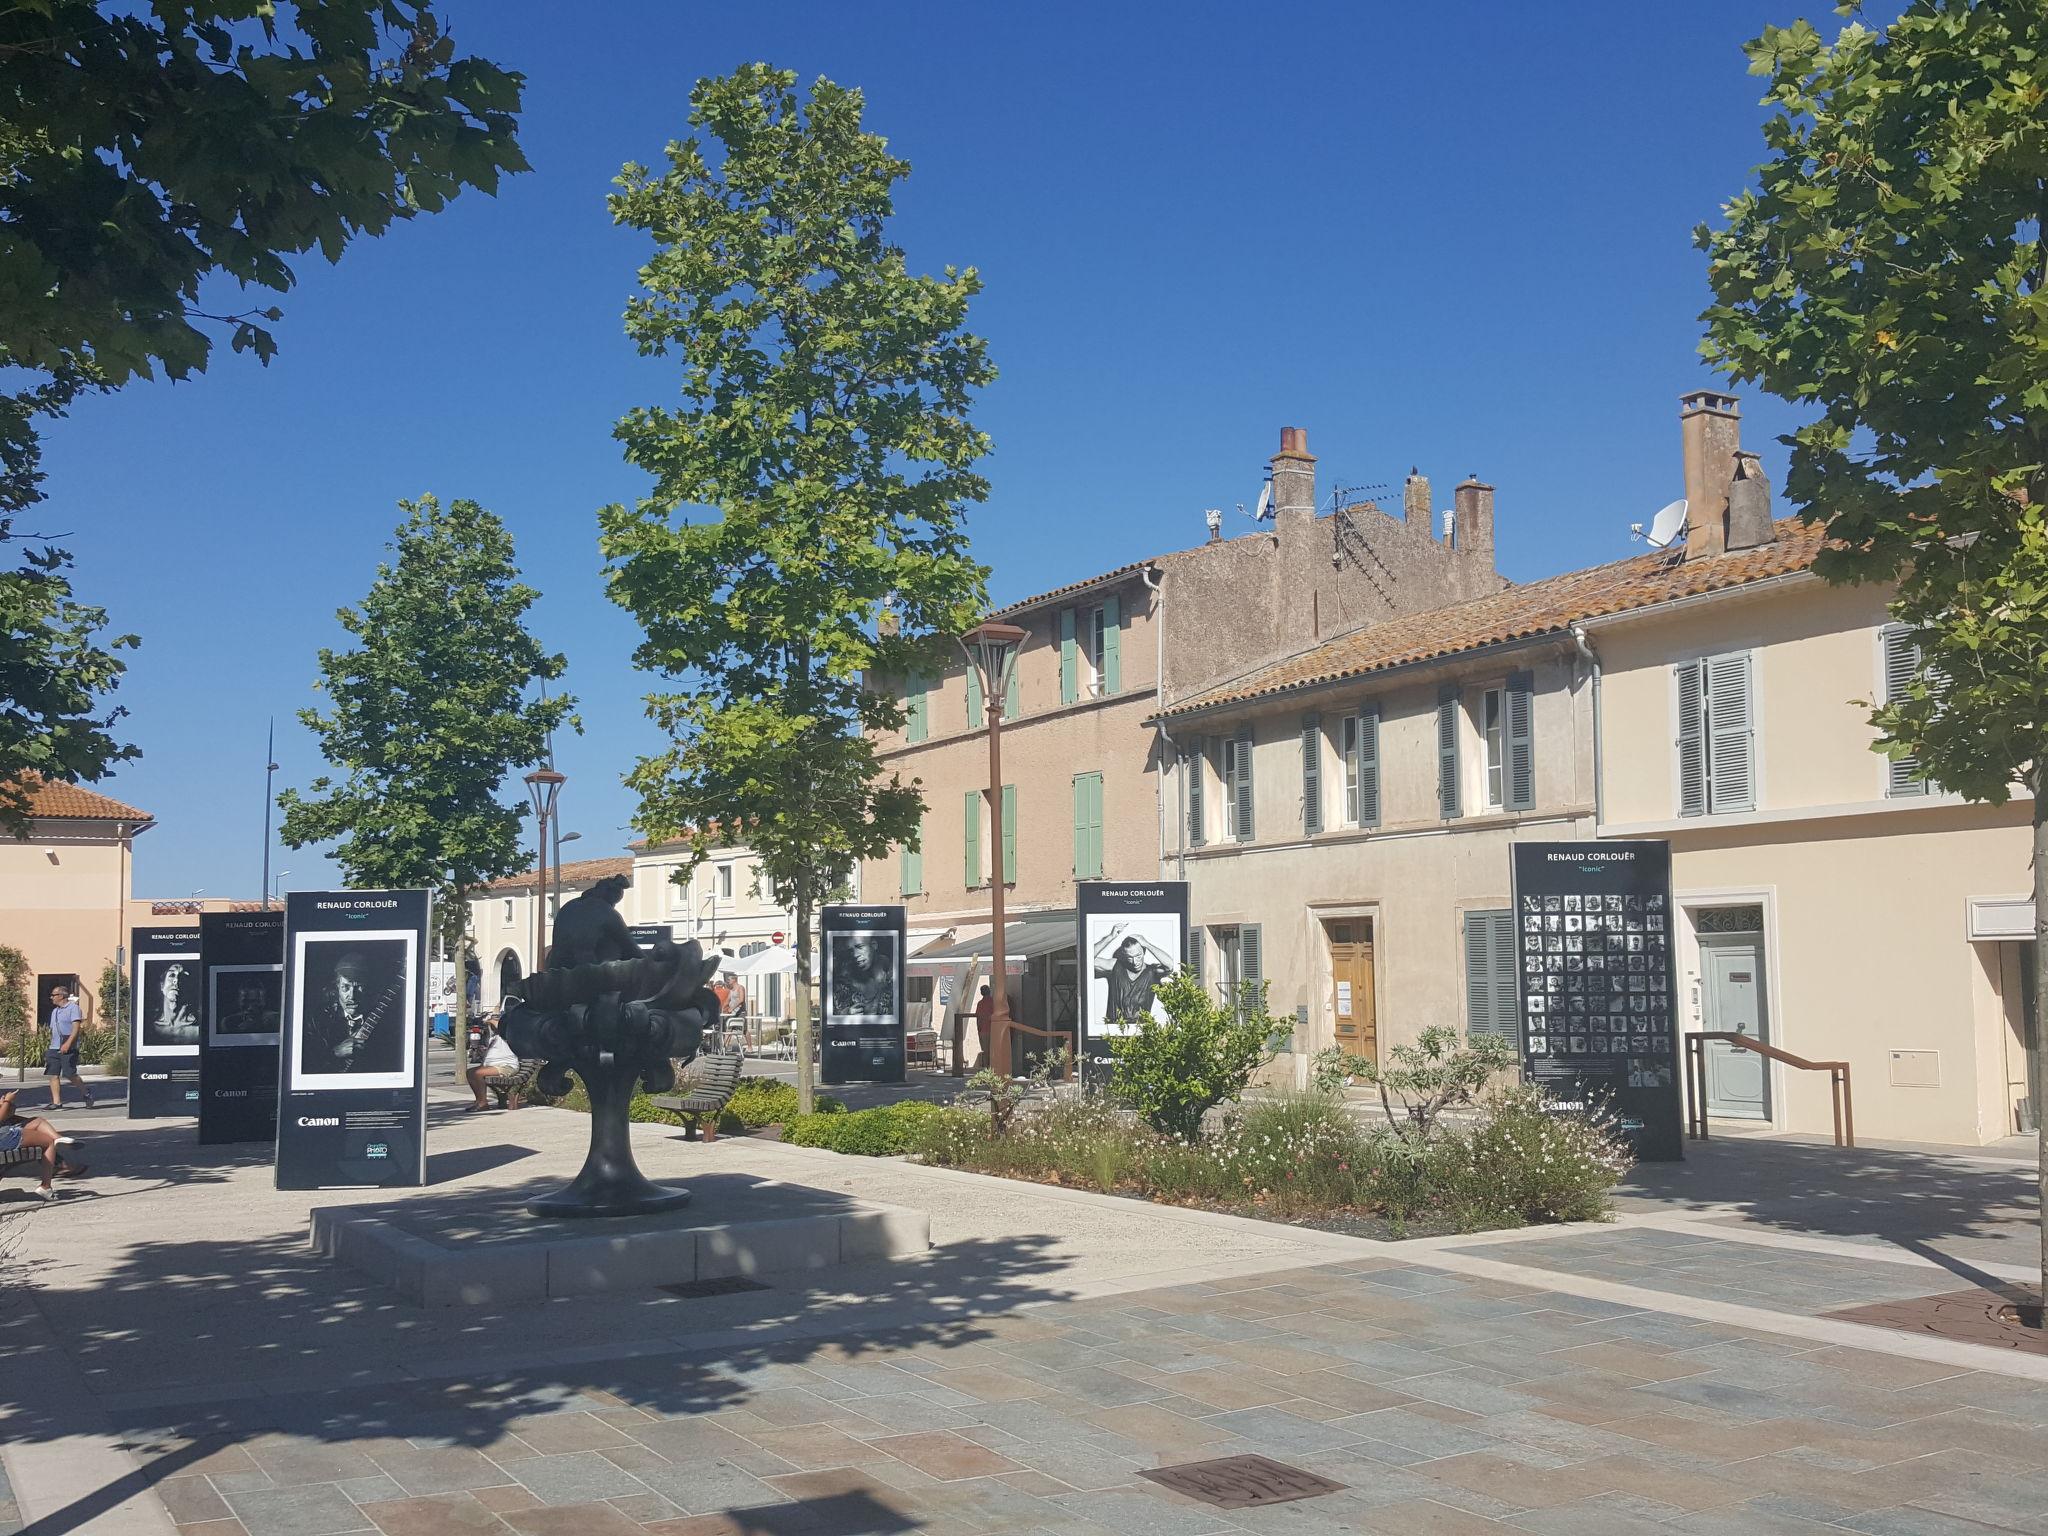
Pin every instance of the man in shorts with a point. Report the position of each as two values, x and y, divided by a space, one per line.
60 1061
42 1137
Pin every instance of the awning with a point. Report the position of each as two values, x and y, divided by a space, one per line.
775 960
1021 940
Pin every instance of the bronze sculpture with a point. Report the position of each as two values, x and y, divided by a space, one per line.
612 1013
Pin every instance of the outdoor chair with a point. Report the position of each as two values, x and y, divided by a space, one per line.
503 1089
922 1045
708 1085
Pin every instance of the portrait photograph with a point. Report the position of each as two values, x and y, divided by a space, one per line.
244 1004
167 1004
355 1021
1129 955
860 974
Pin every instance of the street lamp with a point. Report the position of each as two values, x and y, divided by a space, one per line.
276 887
991 650
542 785
269 773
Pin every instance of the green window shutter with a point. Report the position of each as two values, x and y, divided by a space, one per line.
1490 994
1692 738
1012 690
1311 774
1194 762
1901 666
977 712
1731 774
1112 647
1242 790
913 864
1070 668
1447 797
1369 763
1009 834
918 724
1193 962
1088 826
973 826
1521 744
1251 962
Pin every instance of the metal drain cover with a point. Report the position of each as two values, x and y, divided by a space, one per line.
729 1286
1241 1482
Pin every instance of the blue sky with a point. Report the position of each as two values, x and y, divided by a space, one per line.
1456 236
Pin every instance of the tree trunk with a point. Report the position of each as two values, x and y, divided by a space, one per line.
461 1032
2037 1087
804 1088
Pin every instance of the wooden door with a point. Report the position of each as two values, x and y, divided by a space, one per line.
1351 1002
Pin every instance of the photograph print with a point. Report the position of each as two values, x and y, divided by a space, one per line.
860 974
245 1004
167 1003
1129 955
354 1010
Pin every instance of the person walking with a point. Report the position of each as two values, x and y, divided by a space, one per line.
60 1062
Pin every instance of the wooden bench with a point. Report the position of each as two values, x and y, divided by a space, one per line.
505 1089
708 1084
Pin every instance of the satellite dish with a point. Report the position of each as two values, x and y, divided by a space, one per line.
1666 525
1265 502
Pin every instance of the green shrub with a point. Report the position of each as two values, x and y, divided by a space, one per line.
1441 1068
884 1131
1172 1072
96 1045
641 1111
1523 1162
116 1061
771 1101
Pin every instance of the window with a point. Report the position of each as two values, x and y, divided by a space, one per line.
1239 959
1491 1003
1492 736
1716 769
917 712
1088 826
678 888
1448 803
1013 704
1091 651
1237 785
912 871
506 916
725 882
977 708
972 825
1194 765
1311 774
1009 834
1361 751
1903 664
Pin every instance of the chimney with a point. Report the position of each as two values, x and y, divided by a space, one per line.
1294 478
1415 499
1749 504
1710 434
1472 501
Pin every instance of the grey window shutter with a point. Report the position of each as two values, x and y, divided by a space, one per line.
1901 664
1692 738
1194 959
1521 742
1447 802
1490 998
1731 777
1244 785
1369 763
1251 965
1194 763
1311 774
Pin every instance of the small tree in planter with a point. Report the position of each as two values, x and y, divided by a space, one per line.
1173 1072
1440 1070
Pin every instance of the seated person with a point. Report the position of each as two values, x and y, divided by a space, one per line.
15 1131
499 1060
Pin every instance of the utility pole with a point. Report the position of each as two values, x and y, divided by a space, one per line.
270 759
992 650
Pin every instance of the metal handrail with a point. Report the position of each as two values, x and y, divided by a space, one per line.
1696 1081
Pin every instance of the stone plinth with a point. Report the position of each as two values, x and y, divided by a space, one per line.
483 1249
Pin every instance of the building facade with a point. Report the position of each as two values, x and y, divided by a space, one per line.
1348 815
64 888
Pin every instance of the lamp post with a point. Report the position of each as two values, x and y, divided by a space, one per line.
276 887
269 772
561 837
543 785
992 651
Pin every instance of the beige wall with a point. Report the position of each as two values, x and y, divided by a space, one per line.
63 901
1416 875
1865 898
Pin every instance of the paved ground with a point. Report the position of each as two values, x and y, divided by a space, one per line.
179 1360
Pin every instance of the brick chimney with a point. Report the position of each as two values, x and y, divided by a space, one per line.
1710 435
1749 504
1415 499
1472 522
1294 478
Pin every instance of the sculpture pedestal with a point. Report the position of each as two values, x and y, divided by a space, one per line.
610 1183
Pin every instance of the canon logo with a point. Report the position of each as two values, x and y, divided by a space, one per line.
319 1120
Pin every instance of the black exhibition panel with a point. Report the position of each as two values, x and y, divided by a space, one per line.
163 1037
863 987
1129 937
241 964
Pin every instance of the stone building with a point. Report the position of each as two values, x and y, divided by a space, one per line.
1101 656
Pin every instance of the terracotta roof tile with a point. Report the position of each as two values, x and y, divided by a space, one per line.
74 802
1073 586
574 872
1519 613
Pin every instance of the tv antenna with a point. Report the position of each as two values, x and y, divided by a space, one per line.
1667 525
